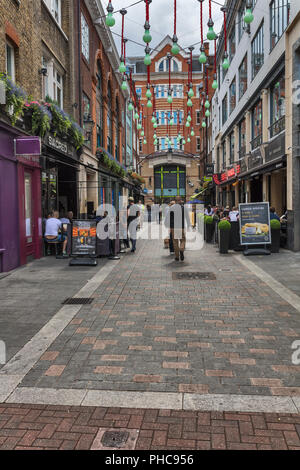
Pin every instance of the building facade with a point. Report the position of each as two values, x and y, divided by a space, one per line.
170 165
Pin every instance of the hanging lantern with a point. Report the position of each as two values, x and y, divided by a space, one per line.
155 142
147 59
130 106
170 99
153 120
203 123
187 124
145 142
149 104
148 92
189 103
215 83
202 57
191 92
122 68
207 113
142 133
124 84
183 142
136 115
154 136
147 36
192 132
211 35
249 17
207 104
175 48
110 21
155 125
139 126
189 140
189 118
226 63
171 121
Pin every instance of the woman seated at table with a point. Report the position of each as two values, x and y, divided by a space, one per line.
53 227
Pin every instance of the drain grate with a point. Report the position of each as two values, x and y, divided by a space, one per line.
193 276
115 439
78 301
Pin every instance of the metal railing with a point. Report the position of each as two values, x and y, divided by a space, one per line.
256 142
277 127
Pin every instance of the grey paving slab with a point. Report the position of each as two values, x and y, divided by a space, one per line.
134 400
47 396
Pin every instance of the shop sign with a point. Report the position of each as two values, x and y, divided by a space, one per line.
27 146
233 172
255 223
275 149
255 159
61 146
210 167
84 238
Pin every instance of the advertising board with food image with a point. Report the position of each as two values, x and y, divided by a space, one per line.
84 237
255 223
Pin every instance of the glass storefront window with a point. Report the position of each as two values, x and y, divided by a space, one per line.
232 95
28 205
256 116
277 107
243 77
257 51
279 19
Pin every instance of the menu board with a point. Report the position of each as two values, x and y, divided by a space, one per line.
255 223
84 237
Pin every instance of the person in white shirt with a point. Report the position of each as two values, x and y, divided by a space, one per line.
234 215
53 225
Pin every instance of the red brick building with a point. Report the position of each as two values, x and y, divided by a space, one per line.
158 165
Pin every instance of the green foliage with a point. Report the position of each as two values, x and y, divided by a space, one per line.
15 98
275 224
224 225
40 118
208 219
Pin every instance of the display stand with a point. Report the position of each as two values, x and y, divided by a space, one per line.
256 251
84 242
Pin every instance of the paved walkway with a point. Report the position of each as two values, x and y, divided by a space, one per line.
151 341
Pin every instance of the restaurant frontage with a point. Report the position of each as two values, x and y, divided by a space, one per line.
60 168
20 198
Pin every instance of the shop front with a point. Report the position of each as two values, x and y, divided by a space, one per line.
60 168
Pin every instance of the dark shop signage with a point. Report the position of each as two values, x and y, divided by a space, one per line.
275 149
84 238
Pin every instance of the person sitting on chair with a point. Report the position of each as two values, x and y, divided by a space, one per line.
53 225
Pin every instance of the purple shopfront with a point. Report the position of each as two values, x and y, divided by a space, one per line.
20 200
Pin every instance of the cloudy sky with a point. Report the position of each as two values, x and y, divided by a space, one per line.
162 22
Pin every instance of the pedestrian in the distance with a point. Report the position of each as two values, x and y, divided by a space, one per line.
132 222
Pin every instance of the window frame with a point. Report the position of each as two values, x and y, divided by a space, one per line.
85 39
9 46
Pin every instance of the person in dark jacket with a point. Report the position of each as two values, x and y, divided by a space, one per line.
177 220
132 222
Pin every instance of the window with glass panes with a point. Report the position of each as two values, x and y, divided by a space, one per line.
85 38
58 88
99 107
232 95
277 102
224 155
86 116
256 118
232 44
257 51
243 77
242 138
224 110
279 19
109 119
231 147
241 23
10 61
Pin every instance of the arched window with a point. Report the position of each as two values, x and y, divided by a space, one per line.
99 107
117 135
164 65
109 119
175 66
161 66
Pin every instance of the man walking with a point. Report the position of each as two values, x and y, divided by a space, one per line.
177 219
132 222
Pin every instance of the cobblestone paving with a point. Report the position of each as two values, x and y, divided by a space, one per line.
148 332
33 427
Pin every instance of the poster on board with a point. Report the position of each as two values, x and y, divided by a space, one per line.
84 238
255 223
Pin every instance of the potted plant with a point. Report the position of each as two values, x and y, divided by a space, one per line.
275 235
224 236
15 99
209 228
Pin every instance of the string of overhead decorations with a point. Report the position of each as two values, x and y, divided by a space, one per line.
205 104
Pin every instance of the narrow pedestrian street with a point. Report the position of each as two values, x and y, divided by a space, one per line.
183 362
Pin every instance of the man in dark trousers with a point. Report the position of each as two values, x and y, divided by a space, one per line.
132 222
177 220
